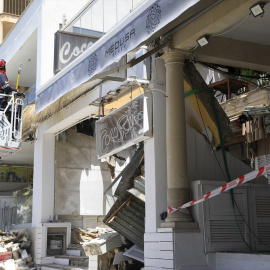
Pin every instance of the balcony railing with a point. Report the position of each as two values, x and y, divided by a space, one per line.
15 7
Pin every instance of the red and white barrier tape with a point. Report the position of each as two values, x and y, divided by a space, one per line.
237 182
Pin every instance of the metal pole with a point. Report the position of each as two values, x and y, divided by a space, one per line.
103 15
116 11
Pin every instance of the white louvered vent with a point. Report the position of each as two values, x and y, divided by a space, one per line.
264 234
226 231
261 162
262 206
263 215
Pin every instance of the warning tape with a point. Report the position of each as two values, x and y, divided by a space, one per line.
237 182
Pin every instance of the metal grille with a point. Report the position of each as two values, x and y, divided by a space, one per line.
226 231
263 213
15 7
8 217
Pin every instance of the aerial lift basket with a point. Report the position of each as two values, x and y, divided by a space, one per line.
11 125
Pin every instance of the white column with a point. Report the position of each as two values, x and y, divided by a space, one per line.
43 182
1 30
154 155
1 6
177 180
93 262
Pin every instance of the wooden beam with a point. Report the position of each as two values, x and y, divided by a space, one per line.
236 140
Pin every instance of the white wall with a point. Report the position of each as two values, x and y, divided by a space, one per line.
51 16
155 155
231 261
44 166
203 162
22 31
43 183
81 178
1 6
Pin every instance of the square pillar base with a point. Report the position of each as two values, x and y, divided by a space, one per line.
179 227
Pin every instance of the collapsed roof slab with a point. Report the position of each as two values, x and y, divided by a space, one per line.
215 20
234 107
235 53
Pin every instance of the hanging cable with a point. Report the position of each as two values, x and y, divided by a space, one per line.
229 30
228 178
225 164
233 76
223 33
246 223
226 167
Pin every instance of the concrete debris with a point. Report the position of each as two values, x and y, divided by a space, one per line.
81 236
120 257
13 251
24 254
97 241
9 246
15 255
3 249
103 244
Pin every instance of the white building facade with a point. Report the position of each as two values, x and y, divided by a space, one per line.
139 48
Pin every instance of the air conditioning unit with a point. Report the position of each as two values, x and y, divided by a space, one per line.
224 229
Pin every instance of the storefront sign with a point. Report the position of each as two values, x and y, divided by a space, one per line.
16 174
109 49
125 126
69 46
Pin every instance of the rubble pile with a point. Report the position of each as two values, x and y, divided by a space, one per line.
81 236
13 251
108 245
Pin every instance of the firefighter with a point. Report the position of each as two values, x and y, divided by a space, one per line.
5 87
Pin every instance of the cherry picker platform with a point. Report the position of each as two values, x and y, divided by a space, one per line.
11 124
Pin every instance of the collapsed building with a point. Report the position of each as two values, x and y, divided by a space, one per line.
124 126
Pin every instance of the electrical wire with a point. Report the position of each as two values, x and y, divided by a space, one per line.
231 74
207 135
223 33
194 48
250 229
207 132
226 178
228 74
229 30
233 201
